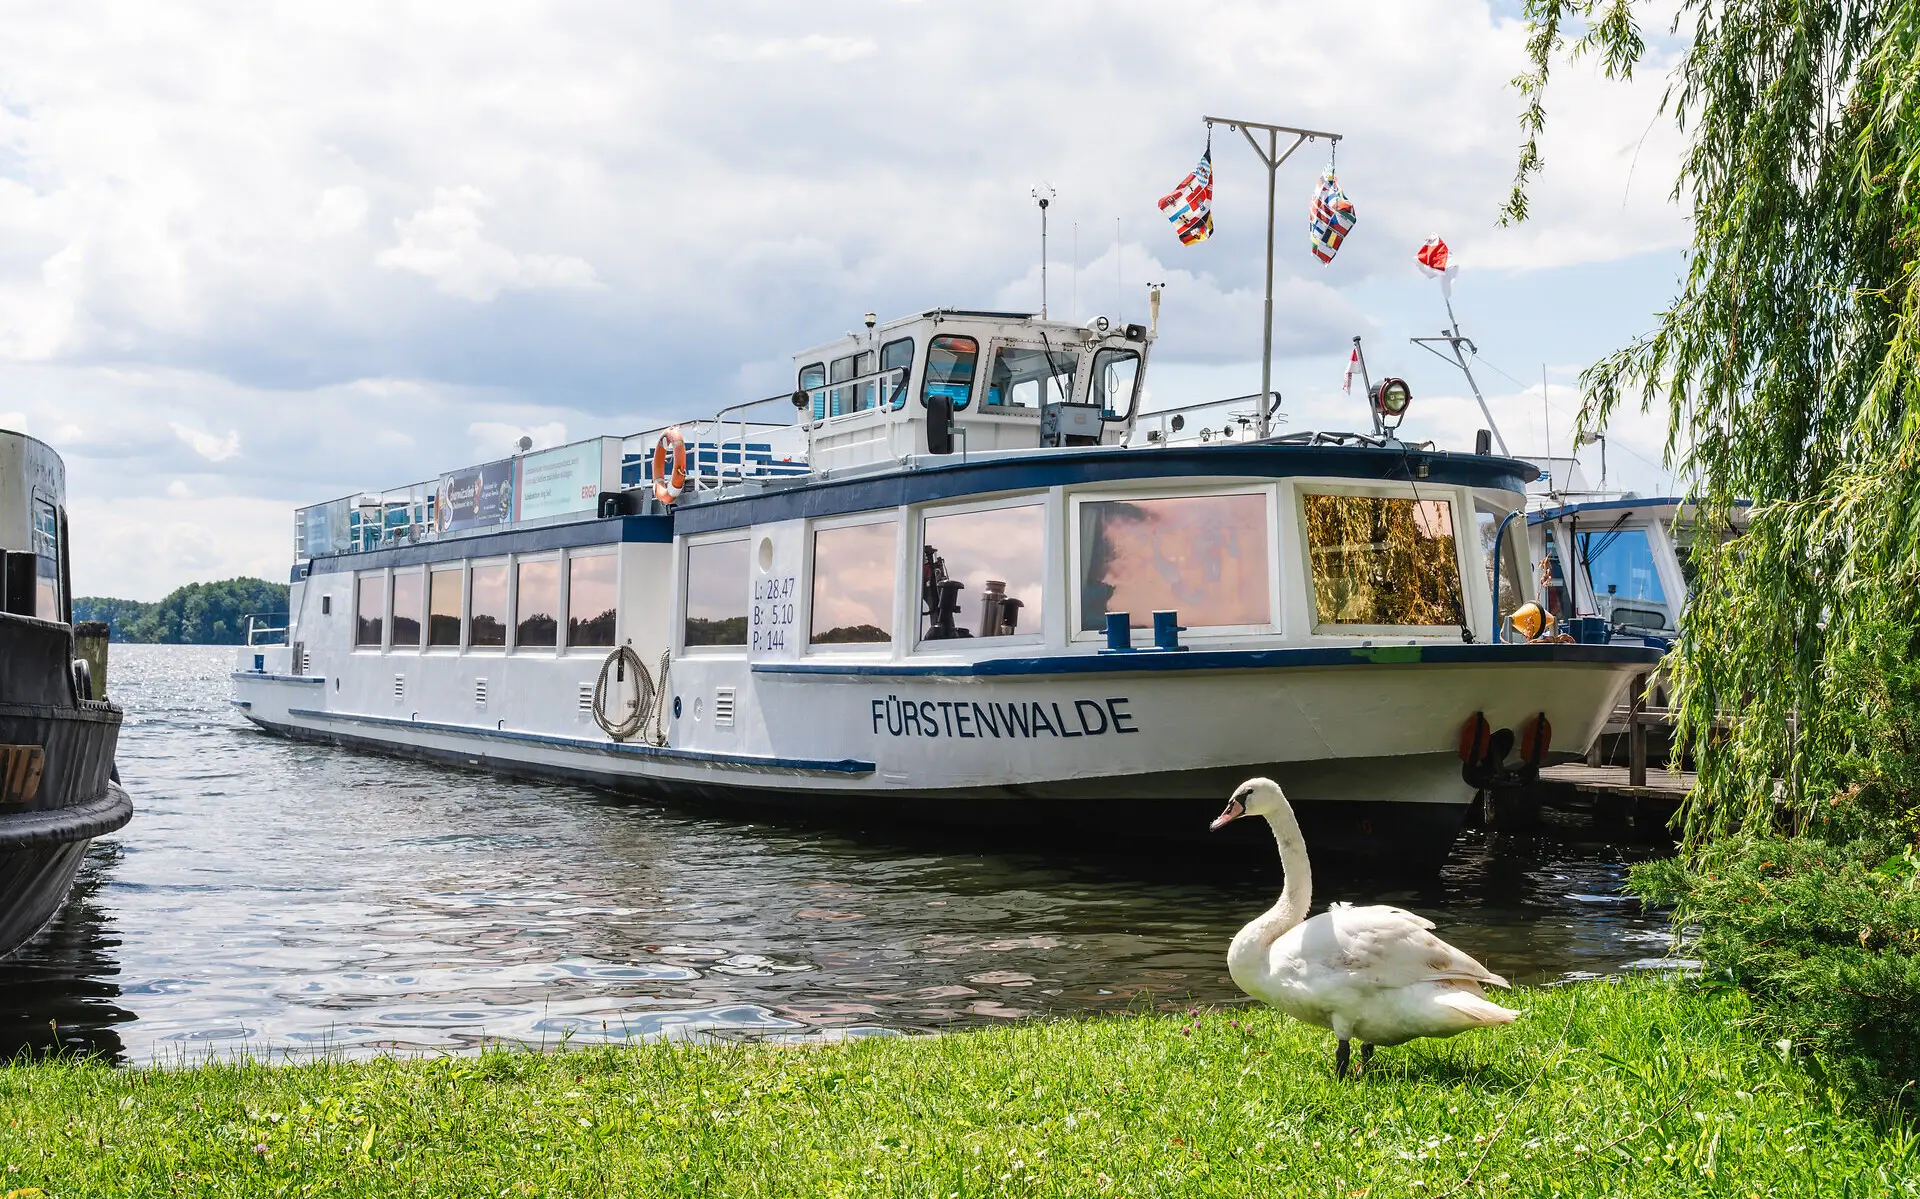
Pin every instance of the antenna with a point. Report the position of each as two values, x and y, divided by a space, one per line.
1043 195
1452 337
1119 306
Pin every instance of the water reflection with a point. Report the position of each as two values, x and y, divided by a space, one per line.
287 898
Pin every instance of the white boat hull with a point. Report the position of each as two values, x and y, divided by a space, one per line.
1366 741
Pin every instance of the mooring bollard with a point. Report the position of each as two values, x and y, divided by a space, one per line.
90 645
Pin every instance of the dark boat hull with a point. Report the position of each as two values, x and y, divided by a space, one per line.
56 774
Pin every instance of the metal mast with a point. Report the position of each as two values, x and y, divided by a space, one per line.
1453 339
1272 156
1043 195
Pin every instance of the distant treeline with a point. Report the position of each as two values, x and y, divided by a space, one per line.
197 614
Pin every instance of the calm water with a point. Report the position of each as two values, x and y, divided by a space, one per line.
271 896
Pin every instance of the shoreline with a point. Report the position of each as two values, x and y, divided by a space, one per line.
1630 1087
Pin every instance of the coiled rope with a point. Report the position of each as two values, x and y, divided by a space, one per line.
649 701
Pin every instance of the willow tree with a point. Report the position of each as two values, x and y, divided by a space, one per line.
1786 366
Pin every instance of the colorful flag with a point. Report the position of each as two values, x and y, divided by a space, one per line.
1436 260
1346 384
1332 218
1190 205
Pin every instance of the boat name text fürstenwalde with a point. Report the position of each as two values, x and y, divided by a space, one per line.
1020 720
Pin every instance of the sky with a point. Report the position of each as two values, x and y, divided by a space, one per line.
259 255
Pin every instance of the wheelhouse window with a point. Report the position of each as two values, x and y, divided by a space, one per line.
369 610
716 593
1203 556
1383 561
981 573
591 602
1027 378
487 626
865 395
950 365
813 379
1116 382
840 399
443 606
853 584
536 598
46 568
407 602
1487 521
897 356
1626 583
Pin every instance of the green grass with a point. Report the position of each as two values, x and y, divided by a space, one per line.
1643 1088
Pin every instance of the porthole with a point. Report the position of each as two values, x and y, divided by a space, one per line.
766 554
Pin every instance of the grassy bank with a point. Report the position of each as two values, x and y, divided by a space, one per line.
1647 1088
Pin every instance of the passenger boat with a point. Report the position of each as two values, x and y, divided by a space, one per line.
57 787
964 581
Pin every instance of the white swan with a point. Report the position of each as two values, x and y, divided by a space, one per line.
1374 973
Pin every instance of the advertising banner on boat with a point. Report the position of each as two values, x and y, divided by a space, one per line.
478 497
562 481
326 528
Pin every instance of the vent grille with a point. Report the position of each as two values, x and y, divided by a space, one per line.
399 688
479 693
723 707
586 699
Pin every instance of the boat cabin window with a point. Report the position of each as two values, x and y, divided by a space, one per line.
1487 522
369 609
1024 378
897 355
812 379
487 627
590 598
980 573
853 584
536 597
1116 381
1203 556
443 605
407 602
1626 584
46 570
840 399
1554 593
716 591
950 364
1383 561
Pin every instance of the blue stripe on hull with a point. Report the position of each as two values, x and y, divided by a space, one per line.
1258 659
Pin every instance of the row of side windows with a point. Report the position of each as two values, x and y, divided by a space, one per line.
1376 561
471 605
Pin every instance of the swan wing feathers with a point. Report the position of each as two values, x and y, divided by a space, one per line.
1390 947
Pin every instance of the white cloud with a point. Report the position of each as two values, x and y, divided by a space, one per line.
179 490
340 210
209 446
444 243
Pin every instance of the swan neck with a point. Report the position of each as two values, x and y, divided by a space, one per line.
1296 893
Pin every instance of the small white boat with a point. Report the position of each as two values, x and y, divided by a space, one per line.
962 581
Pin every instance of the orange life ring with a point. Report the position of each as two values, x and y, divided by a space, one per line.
664 490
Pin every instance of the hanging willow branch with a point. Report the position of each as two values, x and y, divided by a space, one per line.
1787 367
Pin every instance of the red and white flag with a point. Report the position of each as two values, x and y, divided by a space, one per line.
1346 384
1437 261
